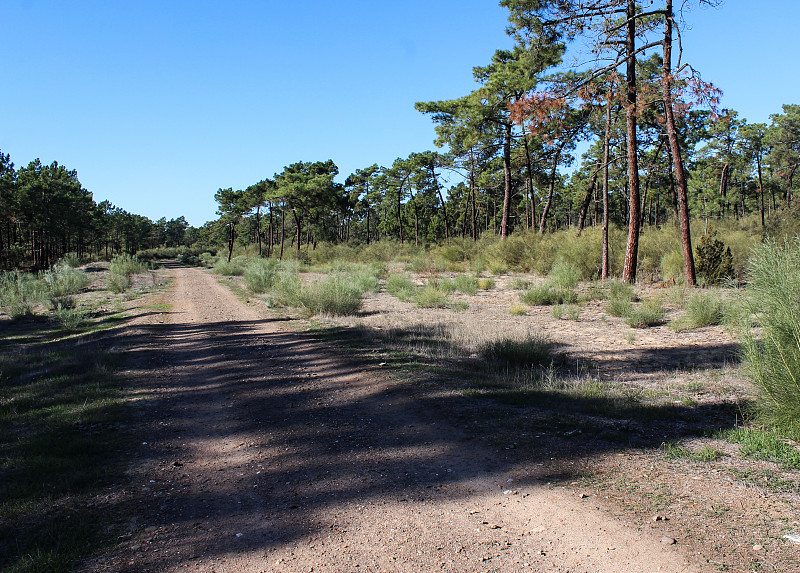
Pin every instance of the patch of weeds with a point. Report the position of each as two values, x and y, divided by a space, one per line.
767 479
513 353
519 284
335 295
568 311
763 445
233 268
59 452
649 313
260 275
545 294
69 318
564 275
486 283
673 450
458 306
400 286
497 268
518 310
429 296
702 309
630 337
466 284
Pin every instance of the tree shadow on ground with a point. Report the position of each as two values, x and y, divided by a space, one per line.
317 428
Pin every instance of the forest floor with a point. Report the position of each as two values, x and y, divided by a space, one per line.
270 443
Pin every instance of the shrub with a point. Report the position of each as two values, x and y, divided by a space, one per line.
702 309
672 265
233 268
772 357
546 294
335 295
127 265
513 353
518 310
486 283
400 286
64 280
260 275
69 318
466 284
564 275
429 296
619 307
118 283
714 260
649 313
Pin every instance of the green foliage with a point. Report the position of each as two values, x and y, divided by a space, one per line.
772 355
764 444
620 298
400 286
714 260
334 295
430 296
546 294
64 280
563 275
260 275
127 265
570 311
702 309
672 264
528 352
234 268
649 313
69 318
118 283
486 283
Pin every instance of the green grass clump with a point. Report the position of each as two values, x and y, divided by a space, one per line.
764 444
547 294
702 309
570 311
466 284
260 275
564 275
486 283
518 310
121 271
673 451
772 355
517 353
430 296
20 293
519 284
620 299
649 313
233 268
400 286
64 280
69 318
335 295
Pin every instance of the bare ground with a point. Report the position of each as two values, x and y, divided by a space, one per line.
263 449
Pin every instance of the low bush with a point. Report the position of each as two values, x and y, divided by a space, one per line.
64 280
334 295
400 286
564 275
702 309
260 275
546 294
714 260
234 268
118 283
649 313
430 296
527 352
772 353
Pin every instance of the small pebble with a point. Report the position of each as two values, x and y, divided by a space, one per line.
668 540
758 547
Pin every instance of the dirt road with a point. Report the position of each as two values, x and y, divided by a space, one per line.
263 450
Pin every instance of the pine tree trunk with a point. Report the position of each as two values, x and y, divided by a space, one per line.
677 162
606 150
632 247
506 180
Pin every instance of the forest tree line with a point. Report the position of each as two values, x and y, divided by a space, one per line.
658 151
659 148
46 213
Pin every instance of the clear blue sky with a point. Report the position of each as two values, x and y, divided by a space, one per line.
159 104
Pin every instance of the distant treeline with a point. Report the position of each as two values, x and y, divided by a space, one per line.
45 213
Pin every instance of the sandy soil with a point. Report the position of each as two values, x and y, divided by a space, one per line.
263 450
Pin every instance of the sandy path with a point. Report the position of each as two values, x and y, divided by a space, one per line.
263 450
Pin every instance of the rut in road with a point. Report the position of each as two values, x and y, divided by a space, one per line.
264 450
